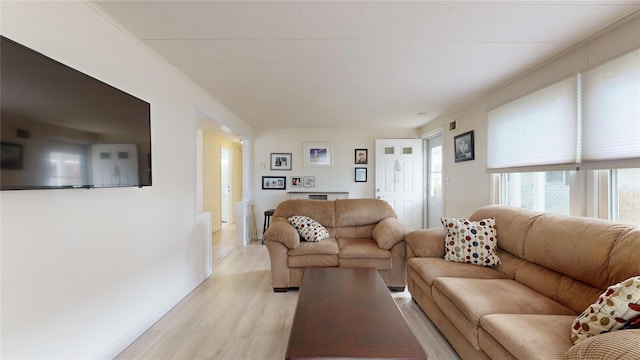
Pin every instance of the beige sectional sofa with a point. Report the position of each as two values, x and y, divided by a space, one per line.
552 268
363 233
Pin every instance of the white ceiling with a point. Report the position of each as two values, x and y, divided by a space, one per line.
355 64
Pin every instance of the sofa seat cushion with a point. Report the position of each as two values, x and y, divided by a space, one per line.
466 301
325 247
526 336
305 261
433 268
360 248
378 264
617 345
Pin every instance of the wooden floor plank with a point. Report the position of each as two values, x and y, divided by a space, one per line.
236 315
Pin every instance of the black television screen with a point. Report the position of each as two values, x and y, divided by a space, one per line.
61 128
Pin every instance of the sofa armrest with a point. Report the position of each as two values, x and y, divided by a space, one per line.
282 232
389 232
426 242
620 345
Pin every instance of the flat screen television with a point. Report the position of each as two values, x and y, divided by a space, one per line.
61 128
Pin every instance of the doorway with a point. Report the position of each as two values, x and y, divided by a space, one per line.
225 189
398 178
219 182
433 167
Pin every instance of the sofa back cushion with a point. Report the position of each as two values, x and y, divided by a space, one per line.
578 247
512 225
320 211
569 259
358 212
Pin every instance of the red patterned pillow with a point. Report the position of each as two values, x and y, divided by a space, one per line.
617 308
474 242
309 229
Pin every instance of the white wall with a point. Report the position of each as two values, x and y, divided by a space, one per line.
339 177
84 272
469 183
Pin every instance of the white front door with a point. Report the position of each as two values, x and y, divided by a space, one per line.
434 180
399 178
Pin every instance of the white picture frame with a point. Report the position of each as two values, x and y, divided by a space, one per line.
318 154
309 181
296 181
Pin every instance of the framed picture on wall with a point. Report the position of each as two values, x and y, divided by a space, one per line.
296 181
309 181
318 154
11 156
274 183
361 174
361 156
280 161
463 145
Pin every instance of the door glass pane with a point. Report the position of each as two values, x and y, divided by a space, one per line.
626 195
388 150
435 183
538 191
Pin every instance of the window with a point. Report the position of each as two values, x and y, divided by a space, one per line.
625 195
435 163
67 163
600 141
538 191
65 169
538 129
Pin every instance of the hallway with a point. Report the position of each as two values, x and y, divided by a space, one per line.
223 242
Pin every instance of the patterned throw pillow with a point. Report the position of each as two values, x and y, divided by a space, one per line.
617 308
309 229
474 242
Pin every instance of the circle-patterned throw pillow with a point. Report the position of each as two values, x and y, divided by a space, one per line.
309 229
474 242
617 308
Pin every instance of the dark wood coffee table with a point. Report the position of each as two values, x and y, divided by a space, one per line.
349 313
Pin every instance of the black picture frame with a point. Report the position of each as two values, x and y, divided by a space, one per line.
274 183
361 156
12 156
360 174
463 147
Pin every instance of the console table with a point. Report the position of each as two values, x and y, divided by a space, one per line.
318 195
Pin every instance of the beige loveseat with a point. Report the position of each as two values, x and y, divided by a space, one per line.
364 233
552 268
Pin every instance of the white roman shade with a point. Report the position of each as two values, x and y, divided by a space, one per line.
611 113
535 132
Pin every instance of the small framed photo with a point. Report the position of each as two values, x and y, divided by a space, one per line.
318 154
274 183
280 161
309 181
296 181
463 145
11 156
361 174
362 156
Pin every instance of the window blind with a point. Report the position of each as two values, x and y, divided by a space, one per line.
611 113
535 132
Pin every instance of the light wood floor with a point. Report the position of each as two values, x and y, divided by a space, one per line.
236 315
